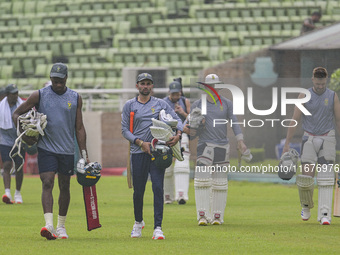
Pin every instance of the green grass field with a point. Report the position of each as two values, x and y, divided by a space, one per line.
260 218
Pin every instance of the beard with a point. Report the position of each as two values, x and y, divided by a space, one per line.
145 92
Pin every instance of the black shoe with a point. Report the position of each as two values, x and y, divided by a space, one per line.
181 201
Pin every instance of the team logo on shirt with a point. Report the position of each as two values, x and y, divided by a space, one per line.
153 109
326 102
69 104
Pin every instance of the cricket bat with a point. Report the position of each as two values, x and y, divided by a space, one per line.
336 209
128 165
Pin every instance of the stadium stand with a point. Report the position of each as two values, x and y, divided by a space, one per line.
98 38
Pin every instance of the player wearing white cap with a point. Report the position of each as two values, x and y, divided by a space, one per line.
213 150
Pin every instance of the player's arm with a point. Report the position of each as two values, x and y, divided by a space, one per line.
337 112
292 127
80 130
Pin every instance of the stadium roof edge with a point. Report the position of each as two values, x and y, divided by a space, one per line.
327 38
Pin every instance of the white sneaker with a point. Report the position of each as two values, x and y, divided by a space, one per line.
203 221
325 221
18 198
158 234
305 214
48 232
137 229
61 233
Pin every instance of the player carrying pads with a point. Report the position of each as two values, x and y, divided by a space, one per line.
145 108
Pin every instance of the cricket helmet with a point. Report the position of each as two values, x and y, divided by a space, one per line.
91 175
161 154
288 164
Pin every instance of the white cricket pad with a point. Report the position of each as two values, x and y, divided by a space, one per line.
305 185
162 131
219 197
181 178
202 197
325 180
169 183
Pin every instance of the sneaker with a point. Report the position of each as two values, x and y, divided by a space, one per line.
158 234
305 214
61 233
216 222
7 199
48 232
18 199
181 201
203 221
137 229
325 221
167 200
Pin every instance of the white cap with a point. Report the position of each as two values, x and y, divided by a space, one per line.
212 79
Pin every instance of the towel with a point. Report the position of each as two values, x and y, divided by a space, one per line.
5 113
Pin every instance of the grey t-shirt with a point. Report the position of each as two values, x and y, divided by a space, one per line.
322 109
8 136
142 119
217 134
61 111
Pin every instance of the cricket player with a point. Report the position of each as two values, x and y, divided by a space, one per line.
63 108
177 175
211 187
8 135
146 107
318 146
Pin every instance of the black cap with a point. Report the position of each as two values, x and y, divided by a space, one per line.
144 76
11 88
175 87
58 70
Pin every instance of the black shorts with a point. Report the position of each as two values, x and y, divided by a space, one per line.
5 150
52 162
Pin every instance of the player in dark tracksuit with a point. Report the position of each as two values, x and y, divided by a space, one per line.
146 107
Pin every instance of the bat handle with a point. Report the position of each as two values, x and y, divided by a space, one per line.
132 115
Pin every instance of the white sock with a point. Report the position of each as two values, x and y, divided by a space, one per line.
48 218
17 192
8 191
61 221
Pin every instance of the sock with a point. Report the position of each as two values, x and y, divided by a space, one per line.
61 221
8 193
48 218
17 192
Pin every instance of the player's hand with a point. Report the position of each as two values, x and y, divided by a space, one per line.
173 140
30 140
241 146
179 109
186 129
146 147
285 148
